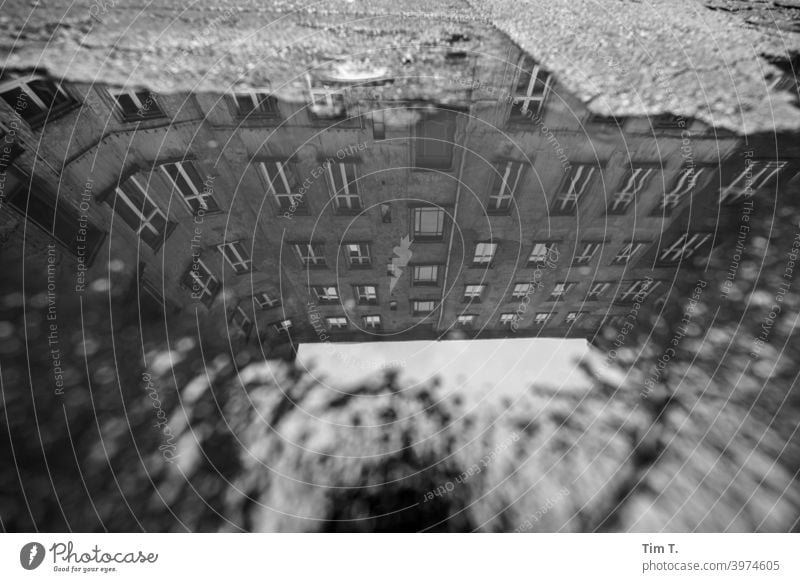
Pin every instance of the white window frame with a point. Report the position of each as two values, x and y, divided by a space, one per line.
204 286
677 251
324 294
587 253
474 292
573 316
638 288
286 199
253 94
418 213
627 252
540 252
21 83
310 258
507 318
521 290
636 181
283 325
372 321
484 253
245 319
347 196
434 274
317 93
597 288
510 176
241 262
560 289
364 296
336 322
541 318
761 172
194 194
466 320
362 257
144 220
577 183
686 182
417 302
264 301
528 97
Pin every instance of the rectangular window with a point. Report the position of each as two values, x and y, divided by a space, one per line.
522 290
684 247
428 223
366 294
467 321
343 185
560 290
575 185
507 176
587 253
326 293
473 293
627 252
637 290
433 141
426 275
371 321
240 319
266 301
197 194
256 104
507 318
201 283
633 185
34 98
756 175
281 181
573 316
532 88
378 125
311 255
138 210
596 290
282 326
236 256
136 105
336 322
684 185
423 307
542 318
327 101
484 254
541 253
358 254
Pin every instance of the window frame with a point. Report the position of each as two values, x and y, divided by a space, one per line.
587 253
289 198
344 196
154 111
478 260
365 297
312 260
470 295
191 276
145 220
196 193
419 236
364 257
684 241
623 256
503 192
528 66
567 200
636 180
425 282
243 263
321 292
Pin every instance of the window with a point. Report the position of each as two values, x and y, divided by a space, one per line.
266 301
686 182
255 104
506 179
635 182
197 194
684 247
587 253
532 88
507 318
756 175
281 182
372 321
560 290
236 256
281 326
541 252
336 322
240 319
637 290
428 223
668 121
423 307
366 294
378 125
342 182
311 255
34 98
136 105
573 316
433 141
484 254
202 284
386 213
596 290
575 185
467 321
626 253
426 275
542 318
522 290
326 294
358 254
473 293
327 102
138 210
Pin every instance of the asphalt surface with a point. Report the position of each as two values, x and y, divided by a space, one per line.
621 57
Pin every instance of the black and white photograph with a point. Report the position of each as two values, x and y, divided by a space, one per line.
371 266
